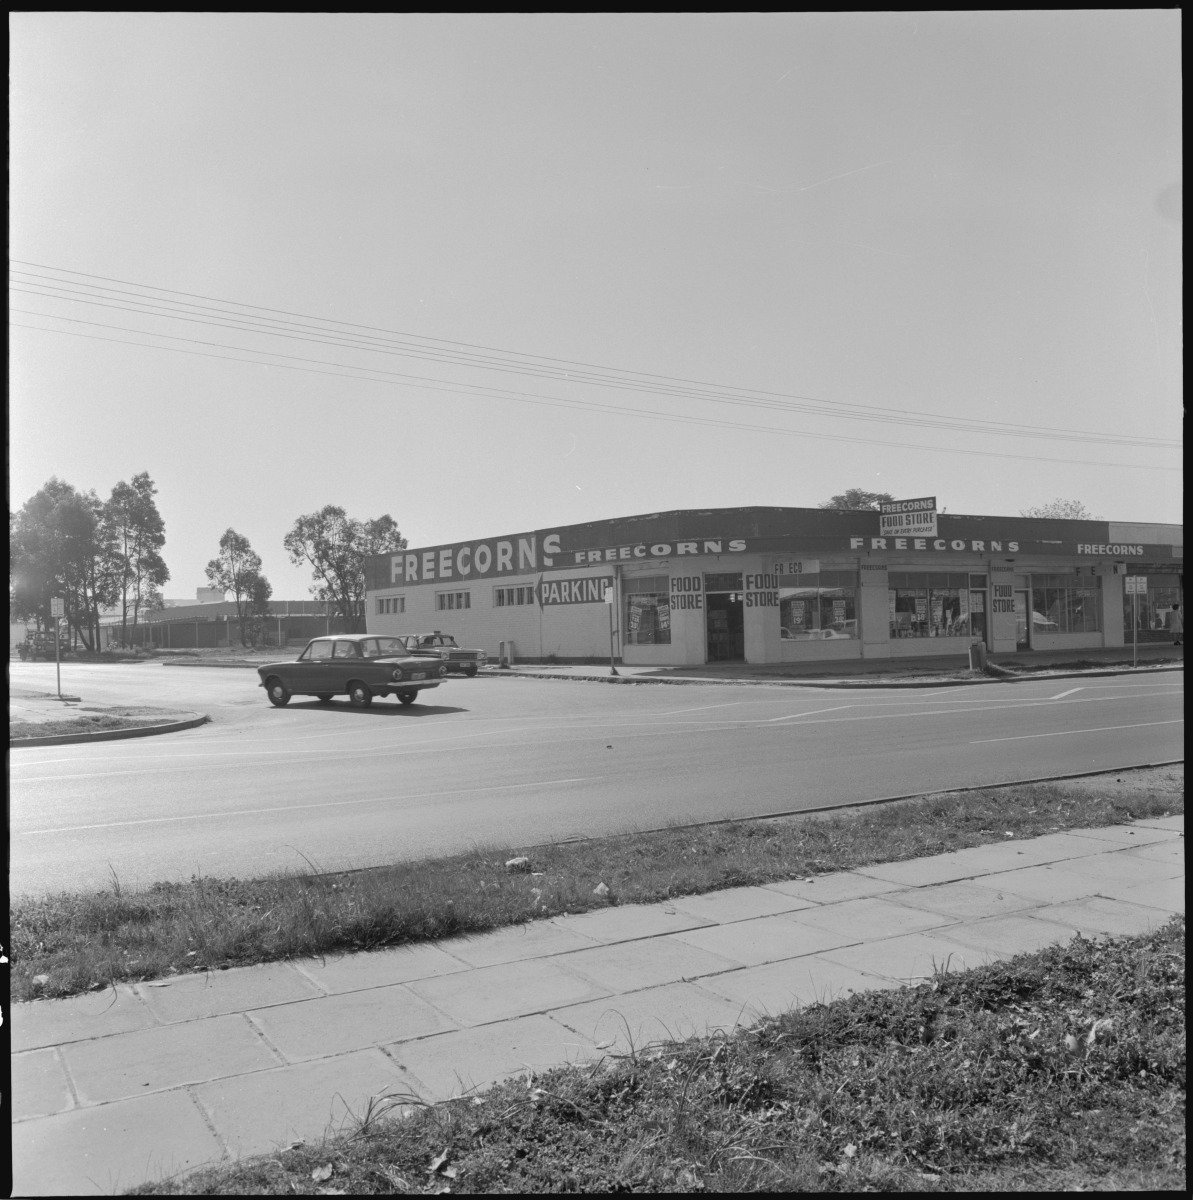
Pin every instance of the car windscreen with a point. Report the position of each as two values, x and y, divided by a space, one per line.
382 647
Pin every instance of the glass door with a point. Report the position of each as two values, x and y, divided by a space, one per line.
1022 621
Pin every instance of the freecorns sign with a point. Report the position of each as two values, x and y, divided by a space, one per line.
908 518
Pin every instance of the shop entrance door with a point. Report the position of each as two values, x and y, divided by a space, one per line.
1022 621
724 621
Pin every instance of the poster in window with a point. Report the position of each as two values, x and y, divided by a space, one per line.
664 615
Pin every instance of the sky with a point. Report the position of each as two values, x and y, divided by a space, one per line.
496 273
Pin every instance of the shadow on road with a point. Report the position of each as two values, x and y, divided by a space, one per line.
379 708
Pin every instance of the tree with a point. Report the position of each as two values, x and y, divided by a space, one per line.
855 499
1066 510
260 590
136 534
58 546
238 570
336 547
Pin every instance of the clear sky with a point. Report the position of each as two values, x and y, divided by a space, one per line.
873 246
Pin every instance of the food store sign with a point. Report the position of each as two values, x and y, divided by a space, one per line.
908 518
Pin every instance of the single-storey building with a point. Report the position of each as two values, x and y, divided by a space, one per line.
785 585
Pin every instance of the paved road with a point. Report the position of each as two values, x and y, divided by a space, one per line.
510 763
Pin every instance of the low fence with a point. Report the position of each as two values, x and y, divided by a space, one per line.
213 633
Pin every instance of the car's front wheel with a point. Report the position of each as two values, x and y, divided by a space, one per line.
360 695
407 697
278 692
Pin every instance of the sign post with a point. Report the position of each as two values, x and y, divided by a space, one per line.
57 608
609 602
1136 585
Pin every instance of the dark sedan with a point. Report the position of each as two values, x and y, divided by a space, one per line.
357 665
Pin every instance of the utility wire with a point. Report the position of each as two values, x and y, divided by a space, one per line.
353 371
463 354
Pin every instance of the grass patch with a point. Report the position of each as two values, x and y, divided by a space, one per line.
83 720
69 943
1058 1070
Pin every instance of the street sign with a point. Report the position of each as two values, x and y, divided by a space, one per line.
1136 585
57 606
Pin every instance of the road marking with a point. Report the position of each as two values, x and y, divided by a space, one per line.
702 707
1064 694
797 716
1069 732
252 812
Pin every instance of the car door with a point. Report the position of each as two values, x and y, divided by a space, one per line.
315 676
345 663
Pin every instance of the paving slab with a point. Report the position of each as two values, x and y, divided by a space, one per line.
1171 853
1125 835
109 1148
150 1060
504 991
626 922
740 904
96 1014
1043 884
1101 915
1006 936
532 940
1176 821
829 889
625 1024
378 968
872 917
765 939
39 1084
191 997
1165 894
453 1064
631 966
911 958
257 1113
965 901
794 983
337 1024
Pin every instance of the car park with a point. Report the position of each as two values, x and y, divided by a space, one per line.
444 646
360 666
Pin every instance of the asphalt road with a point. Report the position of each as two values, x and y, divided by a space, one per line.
512 763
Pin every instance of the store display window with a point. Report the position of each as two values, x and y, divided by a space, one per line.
815 607
927 604
1064 604
646 610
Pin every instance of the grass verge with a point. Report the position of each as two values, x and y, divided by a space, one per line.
1053 1071
91 722
69 943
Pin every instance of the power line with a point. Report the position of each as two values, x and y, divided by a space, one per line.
465 354
394 378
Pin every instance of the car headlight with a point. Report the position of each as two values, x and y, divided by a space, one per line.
397 672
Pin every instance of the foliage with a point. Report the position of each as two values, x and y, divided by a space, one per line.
59 545
237 569
855 499
336 547
1066 510
135 533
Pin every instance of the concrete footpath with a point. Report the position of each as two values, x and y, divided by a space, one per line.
143 1081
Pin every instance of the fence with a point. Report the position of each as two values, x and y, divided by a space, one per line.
210 633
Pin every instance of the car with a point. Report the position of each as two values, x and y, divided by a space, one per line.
359 665
444 646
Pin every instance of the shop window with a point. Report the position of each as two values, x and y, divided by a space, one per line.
449 600
512 597
1064 604
1151 613
646 611
927 604
817 607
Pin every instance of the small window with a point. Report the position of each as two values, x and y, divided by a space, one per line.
318 652
347 650
453 600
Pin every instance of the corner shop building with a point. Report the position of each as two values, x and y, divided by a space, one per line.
784 585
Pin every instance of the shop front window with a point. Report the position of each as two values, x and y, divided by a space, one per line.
927 604
1145 618
818 607
646 611
1064 604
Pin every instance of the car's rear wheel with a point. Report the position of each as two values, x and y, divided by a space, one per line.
324 697
407 697
470 671
278 692
360 695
